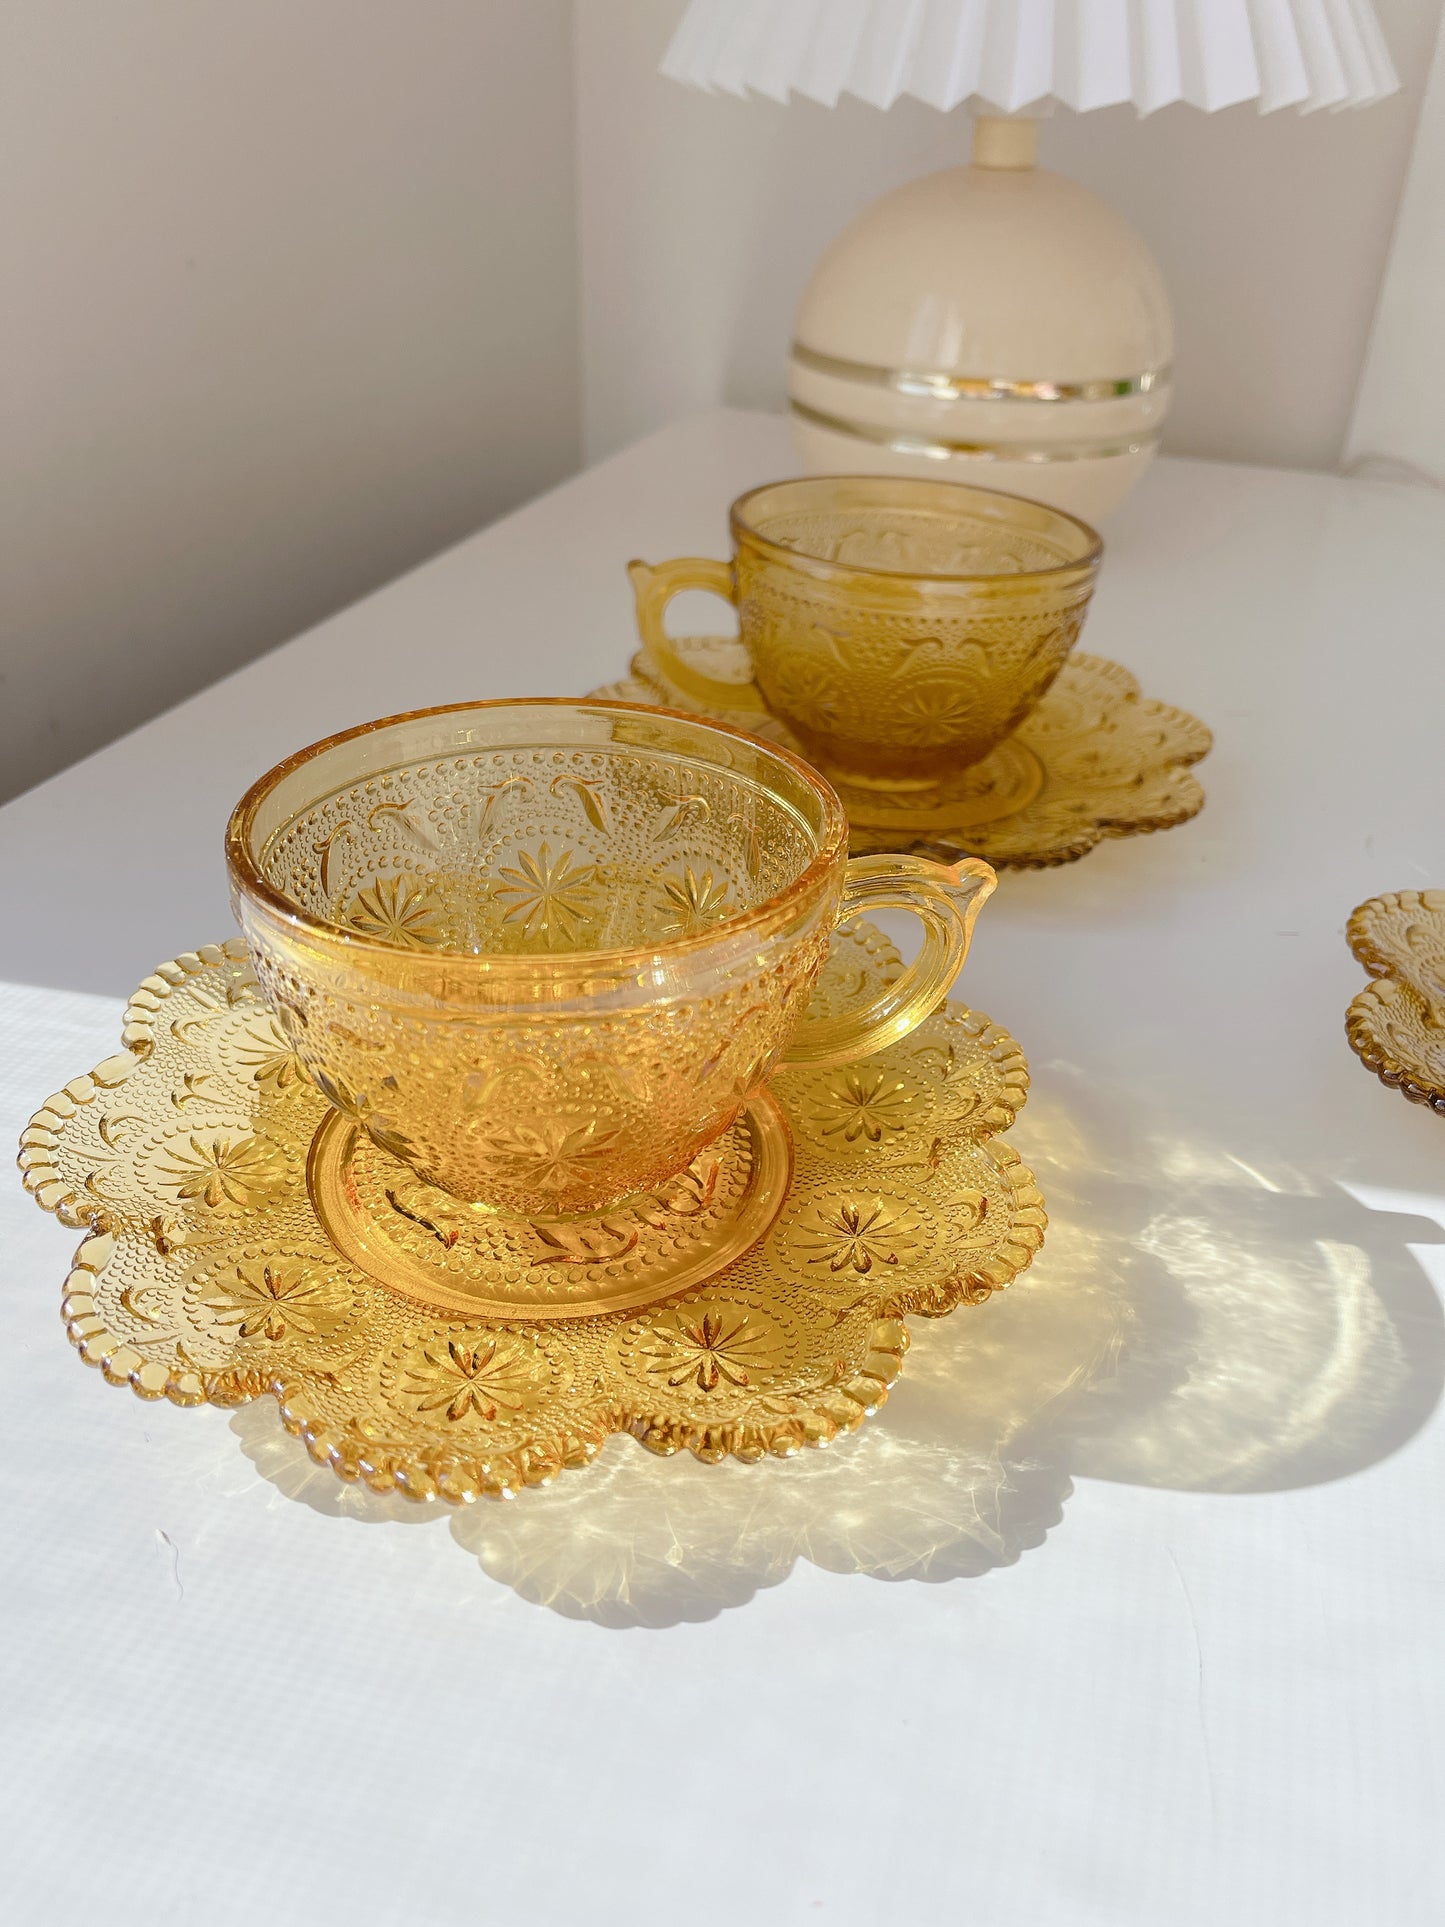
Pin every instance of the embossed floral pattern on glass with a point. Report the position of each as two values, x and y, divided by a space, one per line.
864 1102
712 1344
277 1300
1397 1024
1095 759
450 1350
224 1169
479 1375
398 910
546 952
900 628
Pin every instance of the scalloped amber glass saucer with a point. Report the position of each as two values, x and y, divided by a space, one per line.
1396 1025
244 1239
1094 760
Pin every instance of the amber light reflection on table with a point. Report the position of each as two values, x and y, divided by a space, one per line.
1267 1330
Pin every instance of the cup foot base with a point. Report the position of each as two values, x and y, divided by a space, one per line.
1007 780
440 1251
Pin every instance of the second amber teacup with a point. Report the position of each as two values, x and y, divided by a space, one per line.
901 629
544 952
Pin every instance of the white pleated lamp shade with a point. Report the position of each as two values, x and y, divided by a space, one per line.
998 324
1006 55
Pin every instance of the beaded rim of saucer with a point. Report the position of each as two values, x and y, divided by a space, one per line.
1396 1025
207 1277
1095 759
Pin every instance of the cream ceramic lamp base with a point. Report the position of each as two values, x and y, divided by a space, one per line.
994 324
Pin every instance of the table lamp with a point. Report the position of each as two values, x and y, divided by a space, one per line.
996 323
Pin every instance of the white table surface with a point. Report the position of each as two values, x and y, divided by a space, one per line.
1126 1608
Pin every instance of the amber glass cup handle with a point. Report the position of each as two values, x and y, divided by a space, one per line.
654 586
946 898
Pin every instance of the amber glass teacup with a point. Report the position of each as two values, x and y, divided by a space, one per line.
900 628
545 951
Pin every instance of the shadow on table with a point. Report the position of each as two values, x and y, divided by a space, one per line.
1223 1326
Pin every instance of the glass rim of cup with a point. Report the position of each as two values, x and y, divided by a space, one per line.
247 877
742 528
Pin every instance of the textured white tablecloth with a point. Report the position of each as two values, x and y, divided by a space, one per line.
1126 1609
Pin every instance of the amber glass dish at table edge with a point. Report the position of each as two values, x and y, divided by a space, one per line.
545 951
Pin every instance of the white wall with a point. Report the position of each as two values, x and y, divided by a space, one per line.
289 304
1398 426
290 295
701 217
